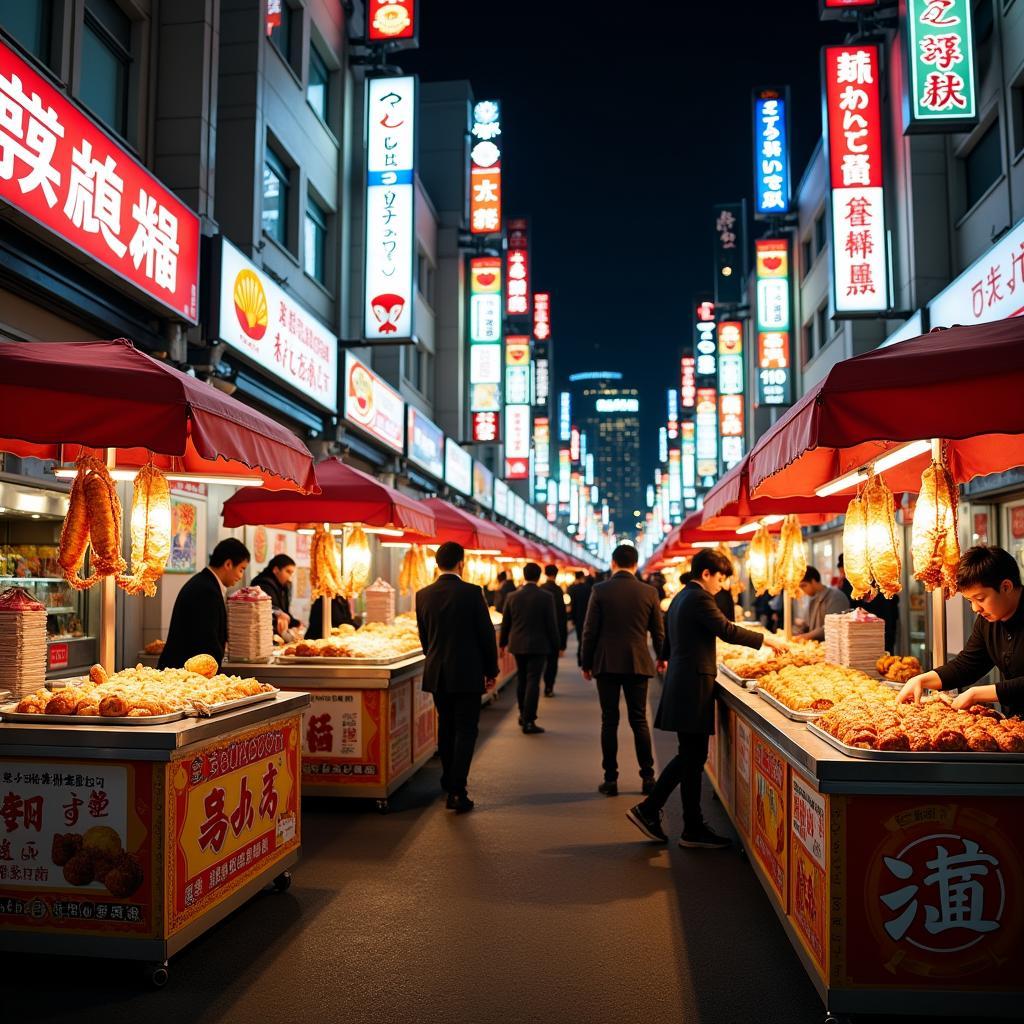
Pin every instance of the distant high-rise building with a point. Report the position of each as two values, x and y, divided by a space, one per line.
608 412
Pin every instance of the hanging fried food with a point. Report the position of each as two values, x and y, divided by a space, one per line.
325 570
355 563
104 520
791 562
935 545
855 548
413 575
883 547
151 531
74 536
761 561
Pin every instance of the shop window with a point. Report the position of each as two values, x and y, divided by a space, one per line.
1017 115
276 194
819 232
315 242
807 341
983 165
31 23
824 328
106 63
287 35
807 256
318 91
425 278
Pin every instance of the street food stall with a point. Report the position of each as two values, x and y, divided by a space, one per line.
888 837
137 808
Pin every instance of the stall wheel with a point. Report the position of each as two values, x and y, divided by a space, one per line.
383 807
283 881
157 974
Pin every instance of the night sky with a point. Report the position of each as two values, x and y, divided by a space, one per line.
619 137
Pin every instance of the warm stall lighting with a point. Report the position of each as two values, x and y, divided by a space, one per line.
843 483
383 531
900 455
896 457
68 473
758 523
399 545
705 543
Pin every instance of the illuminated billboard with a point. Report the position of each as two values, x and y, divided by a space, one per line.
772 180
485 169
774 355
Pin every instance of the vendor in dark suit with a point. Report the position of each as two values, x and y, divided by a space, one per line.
579 597
275 581
989 578
341 614
550 585
460 659
688 700
199 620
529 629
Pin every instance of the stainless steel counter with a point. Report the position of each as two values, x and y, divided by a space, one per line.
310 676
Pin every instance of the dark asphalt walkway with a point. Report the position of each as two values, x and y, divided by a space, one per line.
541 906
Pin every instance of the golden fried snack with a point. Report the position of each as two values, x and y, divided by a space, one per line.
324 565
155 647
883 549
151 531
74 536
855 548
114 706
98 674
935 545
104 508
202 664
34 703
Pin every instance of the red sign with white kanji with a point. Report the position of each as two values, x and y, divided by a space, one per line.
61 170
517 256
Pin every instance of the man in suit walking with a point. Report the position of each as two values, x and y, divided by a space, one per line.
199 619
579 597
687 705
621 614
551 586
529 630
460 659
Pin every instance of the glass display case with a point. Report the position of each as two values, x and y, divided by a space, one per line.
28 559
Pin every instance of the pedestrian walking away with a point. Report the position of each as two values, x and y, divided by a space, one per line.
687 706
551 586
529 629
461 658
623 612
579 598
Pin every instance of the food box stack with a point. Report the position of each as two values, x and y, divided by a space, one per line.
250 625
855 639
22 642
380 602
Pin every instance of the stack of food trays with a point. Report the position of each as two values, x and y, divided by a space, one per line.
875 726
746 667
139 696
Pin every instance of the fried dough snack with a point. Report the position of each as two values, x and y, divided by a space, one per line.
815 687
883 549
898 669
791 561
74 537
375 641
935 545
356 563
413 575
324 565
761 562
755 664
202 664
93 517
151 531
855 548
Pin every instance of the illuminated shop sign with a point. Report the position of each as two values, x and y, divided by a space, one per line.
617 405
940 92
542 316
372 405
485 169
774 363
688 381
772 182
425 442
564 415
730 248
389 21
458 467
517 262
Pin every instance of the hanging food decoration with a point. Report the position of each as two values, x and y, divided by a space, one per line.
736 582
324 566
855 548
935 546
883 547
413 575
761 561
355 572
151 531
791 562
93 518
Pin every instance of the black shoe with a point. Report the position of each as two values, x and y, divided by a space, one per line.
549 693
704 838
463 805
609 788
648 787
531 728
452 802
649 824
522 721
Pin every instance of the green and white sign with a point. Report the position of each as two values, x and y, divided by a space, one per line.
940 90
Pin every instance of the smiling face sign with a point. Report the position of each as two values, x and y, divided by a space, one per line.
485 275
772 261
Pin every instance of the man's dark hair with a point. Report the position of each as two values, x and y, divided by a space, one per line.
713 561
839 562
811 575
580 575
685 577
280 562
448 556
502 576
551 570
531 572
987 567
229 550
625 556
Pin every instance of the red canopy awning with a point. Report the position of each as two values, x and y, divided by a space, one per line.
347 495
58 399
963 385
456 524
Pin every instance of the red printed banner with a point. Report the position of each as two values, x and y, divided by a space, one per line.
808 843
65 173
343 740
770 826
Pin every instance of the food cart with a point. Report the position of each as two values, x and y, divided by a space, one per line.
131 836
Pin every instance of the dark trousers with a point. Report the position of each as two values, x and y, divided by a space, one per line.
634 688
550 671
458 722
579 642
529 668
685 770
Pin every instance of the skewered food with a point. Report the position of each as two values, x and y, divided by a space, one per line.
324 565
855 548
898 669
935 546
791 561
151 531
883 547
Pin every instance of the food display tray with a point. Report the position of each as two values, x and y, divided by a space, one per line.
9 714
210 710
747 684
909 755
293 659
796 716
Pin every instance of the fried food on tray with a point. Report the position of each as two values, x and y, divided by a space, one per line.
815 687
748 664
875 721
142 692
98 674
202 664
155 647
898 669
376 641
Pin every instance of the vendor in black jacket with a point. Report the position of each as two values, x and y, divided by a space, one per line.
687 707
989 578
199 619
275 581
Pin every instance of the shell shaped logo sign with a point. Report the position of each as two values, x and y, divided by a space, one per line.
391 19
360 393
250 305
